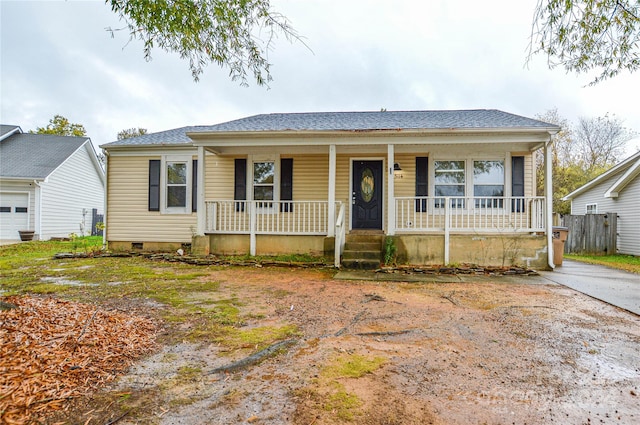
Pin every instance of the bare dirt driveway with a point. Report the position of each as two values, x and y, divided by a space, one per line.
395 353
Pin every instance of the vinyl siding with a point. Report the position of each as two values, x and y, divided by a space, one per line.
72 188
128 218
626 205
219 174
311 177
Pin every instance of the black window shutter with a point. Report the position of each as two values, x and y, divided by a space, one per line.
240 183
194 186
286 184
154 185
422 182
517 183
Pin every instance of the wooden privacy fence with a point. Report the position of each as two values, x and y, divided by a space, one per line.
591 233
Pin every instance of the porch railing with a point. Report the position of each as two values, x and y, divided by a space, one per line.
267 217
470 214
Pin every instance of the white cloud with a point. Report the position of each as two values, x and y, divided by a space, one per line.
366 54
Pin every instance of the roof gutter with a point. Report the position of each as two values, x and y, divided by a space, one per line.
108 147
200 135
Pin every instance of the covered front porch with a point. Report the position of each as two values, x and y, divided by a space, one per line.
267 226
505 217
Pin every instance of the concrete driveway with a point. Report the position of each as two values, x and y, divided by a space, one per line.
612 286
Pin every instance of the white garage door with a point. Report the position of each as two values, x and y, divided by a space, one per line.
14 214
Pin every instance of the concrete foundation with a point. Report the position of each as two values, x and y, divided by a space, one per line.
267 244
145 246
487 250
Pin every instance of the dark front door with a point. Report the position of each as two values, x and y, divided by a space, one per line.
366 197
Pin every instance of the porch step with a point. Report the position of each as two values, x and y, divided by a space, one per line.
362 251
361 264
354 254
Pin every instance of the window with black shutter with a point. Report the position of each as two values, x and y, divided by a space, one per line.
154 184
286 184
517 183
422 182
240 183
194 186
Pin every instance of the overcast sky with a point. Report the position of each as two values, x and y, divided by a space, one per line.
57 58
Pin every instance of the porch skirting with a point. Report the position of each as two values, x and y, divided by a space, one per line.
234 244
421 249
482 249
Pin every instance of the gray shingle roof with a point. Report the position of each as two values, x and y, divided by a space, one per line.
35 156
167 137
351 121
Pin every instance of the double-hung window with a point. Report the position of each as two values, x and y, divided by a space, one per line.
449 182
176 187
488 183
264 182
592 208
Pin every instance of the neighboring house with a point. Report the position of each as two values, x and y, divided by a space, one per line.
449 186
48 184
614 191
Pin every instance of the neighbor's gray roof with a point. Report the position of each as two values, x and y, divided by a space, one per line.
350 121
5 128
35 156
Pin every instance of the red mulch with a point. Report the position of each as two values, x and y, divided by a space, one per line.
53 350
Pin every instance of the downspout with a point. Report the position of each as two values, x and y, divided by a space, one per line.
37 219
548 195
106 197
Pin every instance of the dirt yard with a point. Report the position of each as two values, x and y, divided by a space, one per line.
390 353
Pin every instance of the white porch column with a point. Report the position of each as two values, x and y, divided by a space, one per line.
202 209
331 213
391 204
548 198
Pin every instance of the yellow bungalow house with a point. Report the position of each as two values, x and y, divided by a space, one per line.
454 186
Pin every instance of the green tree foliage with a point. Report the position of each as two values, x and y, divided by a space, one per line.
588 35
128 133
61 126
236 34
580 153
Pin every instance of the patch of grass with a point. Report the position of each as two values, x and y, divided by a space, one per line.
353 366
257 338
343 404
629 263
328 393
188 373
